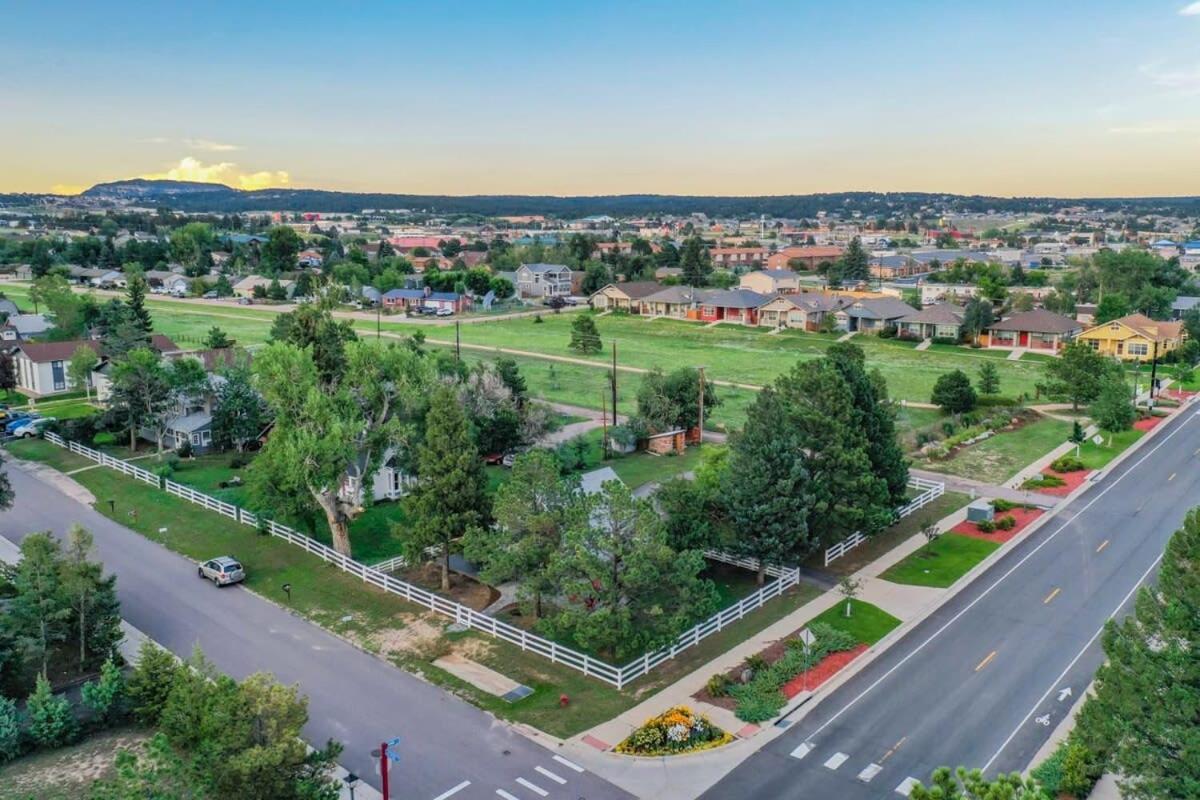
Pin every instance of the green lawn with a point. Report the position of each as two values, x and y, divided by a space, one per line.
1096 456
941 562
52 455
997 459
867 623
909 418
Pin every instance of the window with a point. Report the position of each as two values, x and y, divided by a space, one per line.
205 437
1093 343
1138 349
195 438
56 370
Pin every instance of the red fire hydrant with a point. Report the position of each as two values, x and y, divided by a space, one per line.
563 701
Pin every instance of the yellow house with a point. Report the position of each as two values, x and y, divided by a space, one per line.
1133 338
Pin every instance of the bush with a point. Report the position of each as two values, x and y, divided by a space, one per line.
1006 523
1049 772
1044 482
762 698
537 319
755 663
239 461
676 730
105 696
1080 770
945 340
51 723
985 526
948 427
1001 505
1067 464
10 730
184 450
718 685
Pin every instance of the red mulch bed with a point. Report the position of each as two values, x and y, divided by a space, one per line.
1023 516
1148 423
821 672
1073 480
1178 394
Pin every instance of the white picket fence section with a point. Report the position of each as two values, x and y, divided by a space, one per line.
929 491
784 579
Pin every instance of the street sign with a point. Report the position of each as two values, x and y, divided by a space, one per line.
392 753
1098 439
807 637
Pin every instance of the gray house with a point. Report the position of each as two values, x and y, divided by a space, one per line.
544 280
872 315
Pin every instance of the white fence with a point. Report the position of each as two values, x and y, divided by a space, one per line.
784 578
929 491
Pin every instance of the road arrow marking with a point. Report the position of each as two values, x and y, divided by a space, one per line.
1064 694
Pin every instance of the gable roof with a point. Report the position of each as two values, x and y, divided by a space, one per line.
635 290
880 308
735 298
42 352
542 268
676 294
1144 326
1037 321
939 314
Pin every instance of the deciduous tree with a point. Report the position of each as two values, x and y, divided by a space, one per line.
79 369
141 393
1113 409
1077 374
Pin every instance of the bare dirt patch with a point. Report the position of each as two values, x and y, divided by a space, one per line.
69 771
463 589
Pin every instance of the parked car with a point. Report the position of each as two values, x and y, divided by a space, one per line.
445 312
211 294
428 310
16 419
245 301
222 571
33 427
157 290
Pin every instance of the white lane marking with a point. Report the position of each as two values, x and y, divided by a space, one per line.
906 786
1078 655
551 775
533 787
568 764
868 772
836 760
804 749
1130 471
453 791
506 795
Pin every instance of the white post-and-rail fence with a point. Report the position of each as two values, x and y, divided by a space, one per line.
784 579
929 491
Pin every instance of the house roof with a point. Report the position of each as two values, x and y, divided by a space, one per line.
676 294
1149 328
736 298
1182 303
635 290
591 482
540 268
939 314
42 352
188 423
1038 321
213 359
880 308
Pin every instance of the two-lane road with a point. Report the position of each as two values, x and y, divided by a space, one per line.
448 748
984 680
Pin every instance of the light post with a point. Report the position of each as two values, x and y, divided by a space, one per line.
351 780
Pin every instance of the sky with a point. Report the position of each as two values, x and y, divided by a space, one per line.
1002 97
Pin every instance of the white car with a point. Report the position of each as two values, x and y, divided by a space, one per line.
445 312
33 428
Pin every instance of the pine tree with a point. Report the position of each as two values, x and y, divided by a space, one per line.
51 722
989 378
585 338
151 682
38 614
1144 713
135 299
104 696
450 496
217 339
855 264
10 730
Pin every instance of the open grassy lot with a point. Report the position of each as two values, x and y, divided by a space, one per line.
51 455
997 459
888 538
941 562
1096 456
867 623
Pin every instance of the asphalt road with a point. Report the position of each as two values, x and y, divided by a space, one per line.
983 681
353 697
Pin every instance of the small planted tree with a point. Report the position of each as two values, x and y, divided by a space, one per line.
10 730
79 369
989 378
1113 409
105 695
953 392
585 339
151 682
849 588
51 722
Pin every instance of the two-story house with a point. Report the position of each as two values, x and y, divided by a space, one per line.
544 280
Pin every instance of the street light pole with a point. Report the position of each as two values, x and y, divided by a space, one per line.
701 370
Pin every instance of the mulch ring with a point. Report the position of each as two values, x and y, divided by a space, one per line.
1071 481
1023 516
821 672
1148 423
816 676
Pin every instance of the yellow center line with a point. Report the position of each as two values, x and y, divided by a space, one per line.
1172 477
893 749
1103 545
1052 595
985 661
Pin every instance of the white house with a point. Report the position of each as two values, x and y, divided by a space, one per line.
390 481
544 280
42 366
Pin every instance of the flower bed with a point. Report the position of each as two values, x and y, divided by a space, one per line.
1147 423
811 679
1070 481
676 730
1001 532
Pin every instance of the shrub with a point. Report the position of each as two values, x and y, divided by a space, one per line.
1001 505
51 723
763 698
948 427
151 682
985 526
755 663
10 730
184 450
676 730
1044 482
239 461
1049 772
1080 770
537 319
105 696
718 685
1006 524
1067 463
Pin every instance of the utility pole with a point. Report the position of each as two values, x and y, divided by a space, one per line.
604 449
614 384
701 369
457 342
378 313
1153 372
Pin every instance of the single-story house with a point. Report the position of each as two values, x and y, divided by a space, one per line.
771 281
425 298
101 377
1134 337
623 296
545 280
110 279
22 327
672 301
731 305
662 273
310 258
371 296
42 366
245 287
872 315
390 481
806 257
173 282
805 311
1038 329
940 321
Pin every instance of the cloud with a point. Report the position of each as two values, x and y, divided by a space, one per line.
1186 79
226 172
1190 10
210 145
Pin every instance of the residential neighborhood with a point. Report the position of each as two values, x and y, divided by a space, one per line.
579 436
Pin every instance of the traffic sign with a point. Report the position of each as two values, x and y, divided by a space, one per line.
392 753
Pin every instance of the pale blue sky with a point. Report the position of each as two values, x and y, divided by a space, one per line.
1020 97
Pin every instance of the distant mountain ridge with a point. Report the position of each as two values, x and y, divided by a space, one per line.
219 198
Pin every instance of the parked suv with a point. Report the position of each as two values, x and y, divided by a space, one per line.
222 571
32 427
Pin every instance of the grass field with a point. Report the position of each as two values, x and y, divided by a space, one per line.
1096 456
941 562
867 623
997 459
52 455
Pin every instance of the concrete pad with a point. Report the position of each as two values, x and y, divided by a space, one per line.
1015 355
900 600
748 731
924 345
477 675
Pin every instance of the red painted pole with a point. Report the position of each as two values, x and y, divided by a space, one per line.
383 769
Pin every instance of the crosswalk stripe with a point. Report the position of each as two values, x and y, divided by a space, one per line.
906 787
550 775
836 760
804 749
506 795
568 764
868 772
533 787
455 790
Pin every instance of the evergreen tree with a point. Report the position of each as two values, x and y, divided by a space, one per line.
766 490
585 338
964 784
217 339
695 261
1144 715
104 696
450 497
8 371
92 598
953 392
10 730
38 615
135 299
51 723
989 378
240 413
150 684
855 263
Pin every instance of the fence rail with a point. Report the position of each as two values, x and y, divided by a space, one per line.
784 578
929 491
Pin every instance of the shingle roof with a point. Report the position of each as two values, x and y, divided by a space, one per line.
940 314
546 267
1150 328
880 308
636 290
1038 321
41 352
677 294
736 298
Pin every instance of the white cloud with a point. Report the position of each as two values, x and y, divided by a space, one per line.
210 145
1191 10
226 172
1185 79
